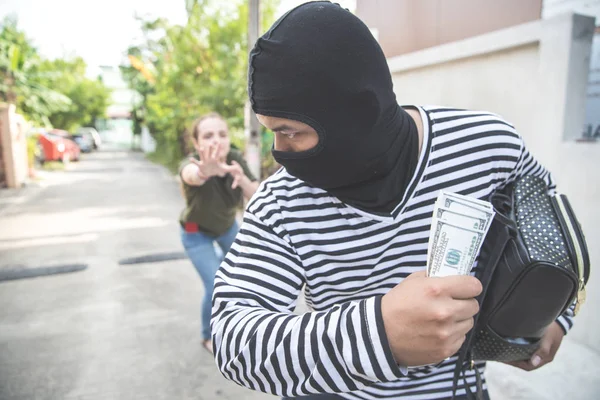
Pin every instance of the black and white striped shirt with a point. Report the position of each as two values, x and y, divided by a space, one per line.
294 236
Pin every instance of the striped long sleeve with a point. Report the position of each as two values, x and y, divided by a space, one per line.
262 345
528 165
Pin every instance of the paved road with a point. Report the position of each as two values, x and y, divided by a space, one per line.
109 331
118 332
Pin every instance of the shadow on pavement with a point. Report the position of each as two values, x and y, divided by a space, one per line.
150 258
11 274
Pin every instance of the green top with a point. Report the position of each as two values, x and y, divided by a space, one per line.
213 205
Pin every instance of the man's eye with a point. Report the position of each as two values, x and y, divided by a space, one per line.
289 135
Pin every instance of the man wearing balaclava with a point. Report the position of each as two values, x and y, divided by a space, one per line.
347 221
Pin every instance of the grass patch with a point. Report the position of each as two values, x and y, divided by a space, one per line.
53 166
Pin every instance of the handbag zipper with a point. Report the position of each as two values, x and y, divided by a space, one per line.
581 293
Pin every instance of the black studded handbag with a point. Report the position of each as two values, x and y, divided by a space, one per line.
533 266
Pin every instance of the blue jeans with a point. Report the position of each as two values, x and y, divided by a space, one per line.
200 248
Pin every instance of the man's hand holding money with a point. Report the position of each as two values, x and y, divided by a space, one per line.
426 319
428 315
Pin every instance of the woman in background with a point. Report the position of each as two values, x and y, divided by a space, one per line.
214 180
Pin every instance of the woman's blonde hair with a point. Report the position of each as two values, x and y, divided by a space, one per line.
197 122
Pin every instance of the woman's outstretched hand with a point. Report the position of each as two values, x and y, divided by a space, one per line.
236 171
210 163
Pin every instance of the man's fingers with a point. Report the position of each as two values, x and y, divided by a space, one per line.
460 287
544 354
456 345
524 365
418 274
549 345
538 360
465 309
463 327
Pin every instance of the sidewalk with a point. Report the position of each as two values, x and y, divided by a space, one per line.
573 375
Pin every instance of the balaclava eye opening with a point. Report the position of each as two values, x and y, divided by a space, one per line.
319 64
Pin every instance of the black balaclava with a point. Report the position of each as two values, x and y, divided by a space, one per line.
319 64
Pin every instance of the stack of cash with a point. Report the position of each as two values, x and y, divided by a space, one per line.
458 228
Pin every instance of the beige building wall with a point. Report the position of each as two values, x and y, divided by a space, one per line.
404 26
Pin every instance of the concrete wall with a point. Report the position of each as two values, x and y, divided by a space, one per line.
535 75
591 129
14 146
551 8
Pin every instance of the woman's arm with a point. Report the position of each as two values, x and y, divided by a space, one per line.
241 179
248 187
197 172
192 175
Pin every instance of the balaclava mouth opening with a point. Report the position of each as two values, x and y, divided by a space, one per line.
319 64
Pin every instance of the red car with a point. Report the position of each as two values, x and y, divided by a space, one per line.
56 146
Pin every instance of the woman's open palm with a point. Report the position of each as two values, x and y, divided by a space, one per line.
210 164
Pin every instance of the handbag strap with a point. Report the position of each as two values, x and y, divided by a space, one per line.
499 229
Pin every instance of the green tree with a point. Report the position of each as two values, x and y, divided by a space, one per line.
89 98
198 67
22 81
48 92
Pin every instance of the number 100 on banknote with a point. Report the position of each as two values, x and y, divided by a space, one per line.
458 228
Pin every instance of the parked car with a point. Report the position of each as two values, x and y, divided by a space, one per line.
93 133
84 141
57 146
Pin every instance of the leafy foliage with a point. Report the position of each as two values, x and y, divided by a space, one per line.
195 68
21 80
47 92
89 98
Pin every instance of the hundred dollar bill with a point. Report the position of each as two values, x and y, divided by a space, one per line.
464 206
461 219
455 218
455 249
472 200
461 212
